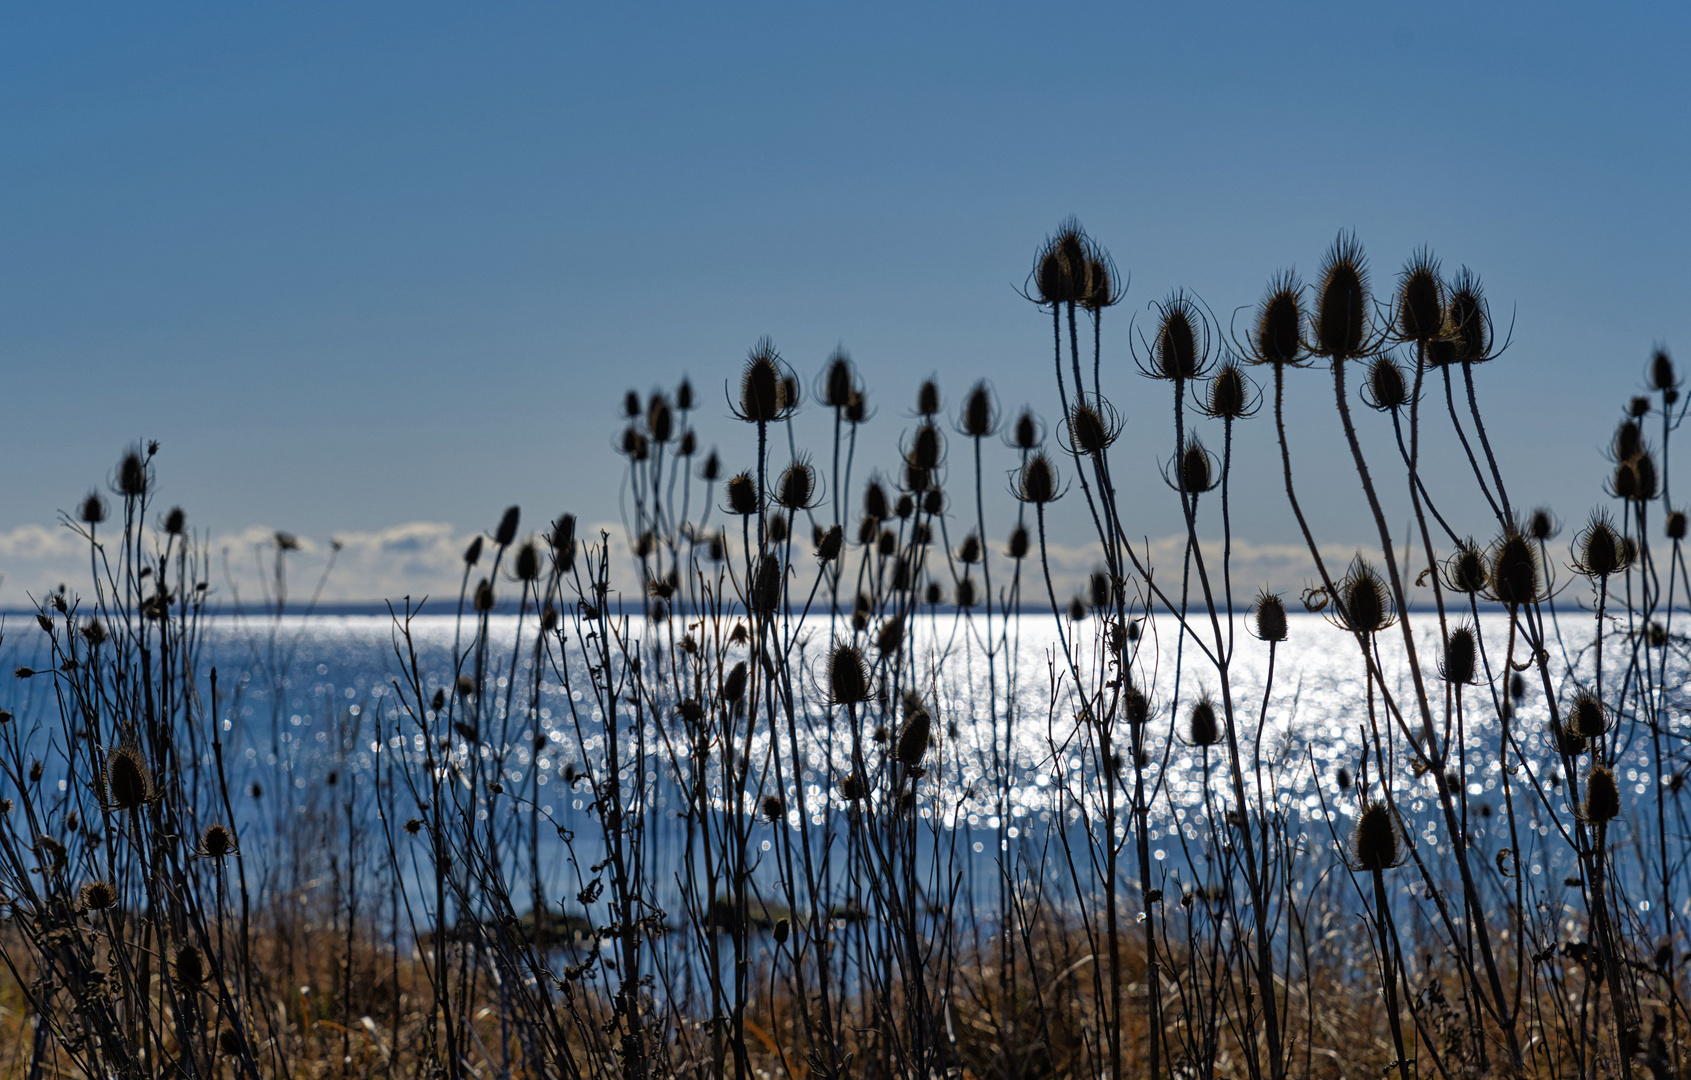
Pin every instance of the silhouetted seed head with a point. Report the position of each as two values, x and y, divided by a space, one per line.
684 395
131 479
742 495
969 551
1542 525
484 595
660 419
129 782
1598 548
1587 716
190 967
718 549
1514 575
1134 708
1387 390
1038 482
528 562
766 586
1102 290
1662 375
848 676
1060 271
94 632
1099 590
1077 609
1197 468
93 509
1656 634
854 788
562 540
966 597
176 522
797 486
933 503
1568 742
837 381
711 470
926 447
875 501
828 548
1420 299
689 443
1639 407
1269 617
1644 477
631 404
97 896
1178 351
1278 335
1374 843
927 398
857 410
1629 440
507 530
1676 525
1340 325
1026 434
763 387
1230 393
916 478
1469 319
734 686
913 740
980 413
634 445
1343 778
1365 605
1624 484
1201 726
645 544
891 636
886 542
1466 571
1092 426
217 841
935 594
1602 797
1017 548
1517 686
1461 655
548 617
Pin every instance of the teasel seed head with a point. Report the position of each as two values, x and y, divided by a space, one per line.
689 443
1365 604
1277 337
1676 525
1017 548
1026 435
132 479
1469 319
1662 375
1340 324
848 676
1375 844
734 686
1099 589
1515 578
886 543
1587 715
767 580
1639 478
927 447
128 780
875 504
1542 525
741 493
1092 426
1182 342
484 595
1387 391
980 412
857 410
1197 469
507 530
527 567
933 503
631 404
1567 741
1639 407
97 896
1599 549
176 522
1229 393
1420 299
796 487
927 398
969 551
217 842
1061 269
891 636
966 597
1102 288
660 419
1202 727
1077 609
913 740
93 509
1269 617
1465 571
838 381
1038 481
764 388
1461 656
828 548
1602 797
1135 709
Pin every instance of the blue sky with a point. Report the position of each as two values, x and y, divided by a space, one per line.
363 265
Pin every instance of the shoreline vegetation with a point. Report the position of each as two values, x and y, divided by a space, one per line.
763 871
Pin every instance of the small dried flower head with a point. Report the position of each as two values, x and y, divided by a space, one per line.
1017 548
1629 440
1635 479
634 445
828 548
1676 525
129 782
927 398
1514 577
1466 571
848 676
1599 549
763 386
838 382
1182 341
1197 469
472 553
1038 481
1662 376
711 470
190 967
1100 589
1468 319
660 419
176 522
1134 708
913 740
1374 843
797 486
767 580
742 495
854 787
980 412
528 562
1639 407
875 506
1387 391
1277 337
132 477
1077 609
1061 268
1587 715
1461 656
1365 604
886 542
413 826
217 841
1269 616
689 443
1340 324
734 686
507 531
1517 686
891 636
466 686
1567 741
1230 393
926 448
718 547
684 395
484 596
1102 290
1542 525
1202 728
1602 797
858 410
93 509
966 597
773 808
631 404
1420 299
1092 426
1026 434
969 551
904 507
35 771
97 896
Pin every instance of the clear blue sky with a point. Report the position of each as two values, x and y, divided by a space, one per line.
360 264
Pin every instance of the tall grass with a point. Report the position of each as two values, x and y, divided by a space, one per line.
729 826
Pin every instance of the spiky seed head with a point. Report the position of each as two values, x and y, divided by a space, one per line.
1629 440
1420 299
1197 468
1587 715
1602 797
1060 272
711 470
734 686
828 548
886 542
634 445
927 398
1514 577
1542 525
1662 375
176 521
1676 525
1176 350
1017 548
660 419
916 479
1639 407
528 562
1469 320
935 593
1567 741
217 841
129 782
913 740
1230 394
1026 435
1099 589
472 553
97 896
796 486
1134 708
1387 390
1598 549
763 387
131 480
969 551
857 410
190 967
1374 842
1268 617
980 414
1202 729
94 632
1517 686
631 404
875 506
767 580
1461 655
926 447
484 596
1100 281
966 597
684 395
1278 335
1340 325
741 492
1644 477
93 509
891 635
1077 609
837 381
1038 484
1091 428
1365 604
854 787
1466 571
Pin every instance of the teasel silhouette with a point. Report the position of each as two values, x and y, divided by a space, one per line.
848 676
1277 331
133 477
1231 396
836 384
660 418
631 405
561 539
1017 546
97 896
1418 308
1195 471
1465 571
633 444
1588 717
1602 802
217 843
765 387
1543 525
1181 351
175 522
1203 729
1340 327
928 403
830 543
1635 478
506 533
1468 322
1675 526
1386 389
741 493
526 566
913 740
1027 434
1364 605
1600 550
798 487
1037 481
92 511
1062 268
1514 577
1460 663
1091 427
926 451
1268 617
978 416
127 782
